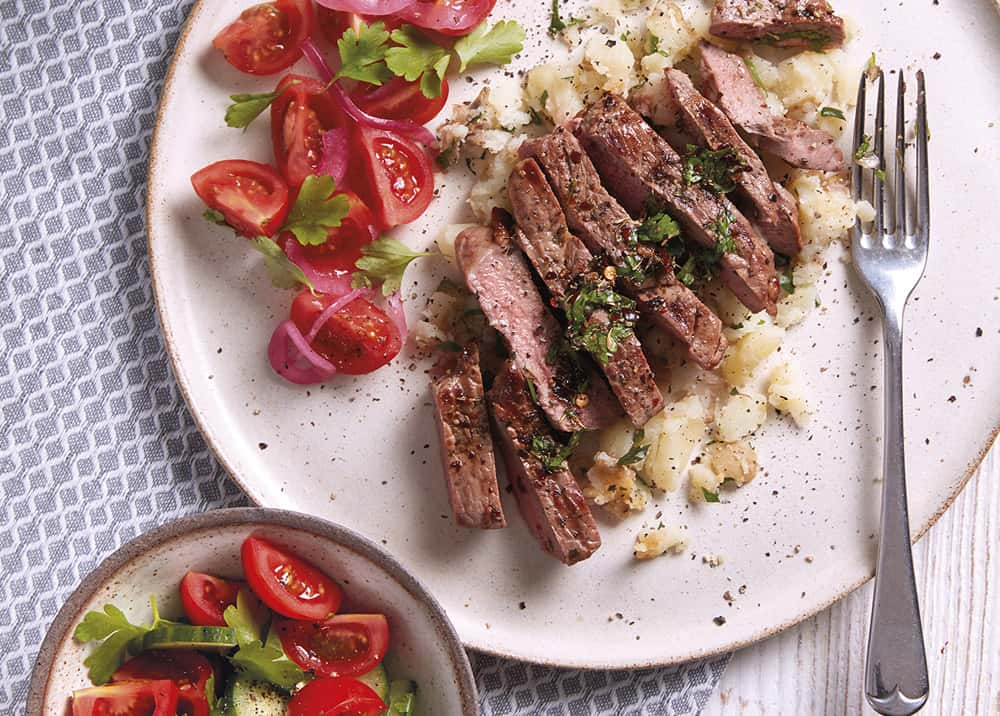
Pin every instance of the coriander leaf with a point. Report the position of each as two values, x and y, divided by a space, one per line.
722 230
247 618
600 338
636 453
215 217
363 52
385 261
115 633
635 267
714 169
418 57
247 107
316 209
552 454
497 45
556 24
283 272
710 496
268 662
658 229
832 112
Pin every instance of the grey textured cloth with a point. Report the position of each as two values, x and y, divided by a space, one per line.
96 445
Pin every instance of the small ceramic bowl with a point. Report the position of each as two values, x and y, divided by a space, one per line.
424 645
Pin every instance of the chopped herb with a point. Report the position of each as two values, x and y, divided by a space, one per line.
638 451
754 73
710 496
872 69
864 149
551 454
600 338
384 261
531 389
658 229
635 267
832 112
556 24
713 169
787 284
722 230
816 40
880 173
734 392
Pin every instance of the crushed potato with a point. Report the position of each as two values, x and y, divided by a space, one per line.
735 461
740 415
786 391
658 541
702 479
614 487
748 352
673 435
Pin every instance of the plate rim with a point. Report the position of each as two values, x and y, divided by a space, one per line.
482 646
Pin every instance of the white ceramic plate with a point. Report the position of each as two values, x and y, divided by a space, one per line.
363 452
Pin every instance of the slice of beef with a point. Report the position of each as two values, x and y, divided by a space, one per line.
726 80
606 228
645 174
697 120
466 447
570 391
784 23
559 257
551 501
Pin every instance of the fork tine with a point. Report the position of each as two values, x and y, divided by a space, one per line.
899 176
923 189
859 135
879 180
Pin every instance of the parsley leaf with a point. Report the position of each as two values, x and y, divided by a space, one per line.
418 57
864 149
215 217
316 209
556 24
552 454
722 229
599 338
832 112
710 496
363 52
283 272
658 229
384 261
246 618
498 45
247 107
259 658
636 453
634 267
714 169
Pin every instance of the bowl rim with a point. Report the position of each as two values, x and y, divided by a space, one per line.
238 517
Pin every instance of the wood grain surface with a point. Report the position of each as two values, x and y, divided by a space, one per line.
817 668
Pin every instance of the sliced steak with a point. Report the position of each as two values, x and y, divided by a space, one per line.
466 447
551 501
783 23
570 392
559 257
606 228
645 174
726 80
705 125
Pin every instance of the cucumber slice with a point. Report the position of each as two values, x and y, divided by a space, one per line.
402 697
255 698
183 636
377 681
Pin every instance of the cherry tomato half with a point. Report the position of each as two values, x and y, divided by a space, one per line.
251 196
131 698
394 176
357 339
337 257
286 583
189 670
299 116
449 17
399 99
205 598
346 645
267 38
335 696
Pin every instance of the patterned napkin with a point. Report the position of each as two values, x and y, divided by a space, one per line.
96 444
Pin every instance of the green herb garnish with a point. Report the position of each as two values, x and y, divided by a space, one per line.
553 455
638 451
832 112
316 210
713 169
658 229
384 261
710 496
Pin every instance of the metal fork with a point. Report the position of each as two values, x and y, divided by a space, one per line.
891 260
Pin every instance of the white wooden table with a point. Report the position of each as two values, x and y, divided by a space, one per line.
817 668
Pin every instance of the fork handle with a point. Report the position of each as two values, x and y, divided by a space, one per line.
896 682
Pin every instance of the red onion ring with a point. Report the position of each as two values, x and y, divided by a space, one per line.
402 127
293 358
366 7
323 283
335 150
323 317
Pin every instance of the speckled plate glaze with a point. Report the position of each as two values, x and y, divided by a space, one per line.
363 451
425 646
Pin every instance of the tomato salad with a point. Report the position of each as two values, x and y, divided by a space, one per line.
352 160
271 644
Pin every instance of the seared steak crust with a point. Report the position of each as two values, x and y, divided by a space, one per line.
550 501
559 257
784 23
498 275
645 174
726 81
466 447
606 228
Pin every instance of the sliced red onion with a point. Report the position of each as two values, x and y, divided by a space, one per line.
323 283
394 304
366 7
334 160
338 304
403 127
293 358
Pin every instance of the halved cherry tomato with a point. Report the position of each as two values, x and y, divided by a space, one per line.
346 645
335 696
205 598
267 38
251 196
394 174
399 99
299 116
132 698
334 23
286 583
343 244
357 339
449 17
189 670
